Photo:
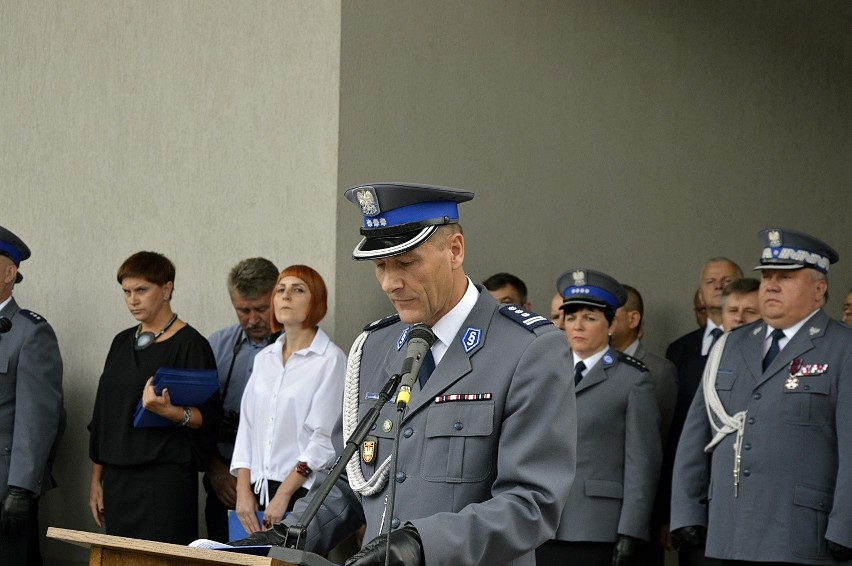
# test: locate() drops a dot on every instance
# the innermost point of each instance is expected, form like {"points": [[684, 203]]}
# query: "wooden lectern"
{"points": [[106, 550]]}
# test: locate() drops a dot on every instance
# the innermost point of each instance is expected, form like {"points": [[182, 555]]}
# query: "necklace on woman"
{"points": [[145, 339]]}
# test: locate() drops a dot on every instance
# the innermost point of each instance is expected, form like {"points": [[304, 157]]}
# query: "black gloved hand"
{"points": [[405, 549], [261, 538], [838, 551], [627, 551], [17, 511], [693, 536]]}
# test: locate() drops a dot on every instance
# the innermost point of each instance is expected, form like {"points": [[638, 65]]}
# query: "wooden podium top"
{"points": [[152, 552]]}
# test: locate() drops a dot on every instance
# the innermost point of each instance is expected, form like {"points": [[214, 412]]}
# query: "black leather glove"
{"points": [[17, 511], [405, 549], [838, 551], [693, 536], [628, 551], [261, 538]]}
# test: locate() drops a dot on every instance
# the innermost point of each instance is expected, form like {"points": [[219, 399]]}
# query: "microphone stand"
{"points": [[293, 548], [394, 456]]}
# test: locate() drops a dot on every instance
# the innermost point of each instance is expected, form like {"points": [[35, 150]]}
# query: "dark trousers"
{"points": [[23, 549], [215, 514], [695, 557], [563, 553], [747, 563]]}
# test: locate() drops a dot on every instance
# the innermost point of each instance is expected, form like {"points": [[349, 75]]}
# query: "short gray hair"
{"points": [[252, 278]]}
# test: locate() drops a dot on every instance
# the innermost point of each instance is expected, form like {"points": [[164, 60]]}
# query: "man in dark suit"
{"points": [[767, 477], [689, 353], [31, 415]]}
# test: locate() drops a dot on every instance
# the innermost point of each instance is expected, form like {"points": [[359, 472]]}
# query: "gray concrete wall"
{"points": [[638, 138], [206, 130]]}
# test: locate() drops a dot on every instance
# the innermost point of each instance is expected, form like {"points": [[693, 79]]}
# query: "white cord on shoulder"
{"points": [[728, 424], [351, 400]]}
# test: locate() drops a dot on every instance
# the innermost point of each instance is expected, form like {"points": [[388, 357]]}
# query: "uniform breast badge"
{"points": [[799, 370], [368, 450], [793, 379]]}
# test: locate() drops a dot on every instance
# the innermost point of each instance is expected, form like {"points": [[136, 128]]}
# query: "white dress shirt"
{"points": [[288, 411], [448, 327]]}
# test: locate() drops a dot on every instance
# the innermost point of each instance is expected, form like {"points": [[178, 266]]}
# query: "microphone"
{"points": [[420, 340], [6, 325]]}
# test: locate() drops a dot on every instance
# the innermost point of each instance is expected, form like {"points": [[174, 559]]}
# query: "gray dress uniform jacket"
{"points": [[663, 375], [31, 415], [483, 481], [796, 462], [618, 454]]}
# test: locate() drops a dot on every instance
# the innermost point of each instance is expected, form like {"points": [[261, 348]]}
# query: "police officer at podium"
{"points": [[487, 444]]}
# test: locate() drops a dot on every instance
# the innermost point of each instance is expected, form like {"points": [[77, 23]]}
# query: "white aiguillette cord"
{"points": [[716, 411]]}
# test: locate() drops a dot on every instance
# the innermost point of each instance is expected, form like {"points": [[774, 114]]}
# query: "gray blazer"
{"points": [[663, 374], [31, 415], [796, 462], [618, 454], [483, 481]]}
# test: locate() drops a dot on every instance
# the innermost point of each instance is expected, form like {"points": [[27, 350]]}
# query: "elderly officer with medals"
{"points": [[764, 464], [607, 518], [31, 413], [488, 440]]}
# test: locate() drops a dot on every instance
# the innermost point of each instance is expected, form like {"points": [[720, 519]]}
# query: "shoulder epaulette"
{"points": [[631, 361], [33, 317], [382, 322], [528, 320]]}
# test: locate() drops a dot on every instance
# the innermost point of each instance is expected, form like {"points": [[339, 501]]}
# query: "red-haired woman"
{"points": [[290, 403]]}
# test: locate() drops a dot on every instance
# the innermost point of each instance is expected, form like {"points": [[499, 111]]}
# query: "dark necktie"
{"points": [[774, 348], [578, 372], [427, 368], [715, 333]]}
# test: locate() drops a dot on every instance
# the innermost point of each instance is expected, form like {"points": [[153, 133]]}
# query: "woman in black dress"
{"points": [[144, 481]]}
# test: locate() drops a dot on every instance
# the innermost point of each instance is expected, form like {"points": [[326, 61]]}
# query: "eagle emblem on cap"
{"points": [[774, 238], [367, 200], [579, 278]]}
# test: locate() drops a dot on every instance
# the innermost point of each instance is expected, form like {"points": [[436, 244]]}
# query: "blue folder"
{"points": [[235, 528], [187, 387]]}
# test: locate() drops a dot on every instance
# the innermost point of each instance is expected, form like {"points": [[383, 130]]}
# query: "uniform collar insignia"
{"points": [[813, 331], [400, 342]]}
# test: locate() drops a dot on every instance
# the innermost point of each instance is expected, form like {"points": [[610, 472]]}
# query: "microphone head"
{"points": [[6, 325], [423, 332]]}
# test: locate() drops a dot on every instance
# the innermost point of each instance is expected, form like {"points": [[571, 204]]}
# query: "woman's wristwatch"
{"points": [[187, 416]]}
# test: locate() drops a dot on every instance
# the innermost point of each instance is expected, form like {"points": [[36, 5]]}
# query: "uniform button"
{"points": [[458, 426], [747, 446], [395, 523], [408, 432], [807, 387], [746, 473], [373, 427], [821, 504], [400, 477], [751, 420], [757, 396]]}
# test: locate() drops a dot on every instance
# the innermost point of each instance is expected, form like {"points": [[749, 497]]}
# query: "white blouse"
{"points": [[287, 412]]}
